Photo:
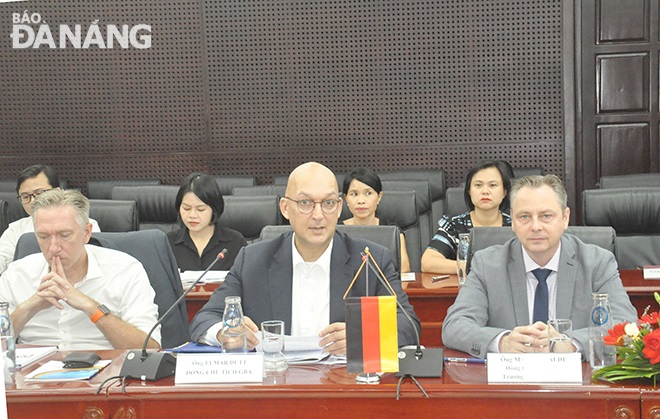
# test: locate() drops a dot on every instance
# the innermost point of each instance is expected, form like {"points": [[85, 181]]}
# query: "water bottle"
{"points": [[600, 355], [8, 344], [232, 335]]}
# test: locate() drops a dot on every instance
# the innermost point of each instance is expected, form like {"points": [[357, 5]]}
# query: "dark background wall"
{"points": [[257, 87]]}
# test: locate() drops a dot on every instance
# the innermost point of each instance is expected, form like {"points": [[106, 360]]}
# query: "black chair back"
{"points": [[102, 189], [156, 205], [250, 214], [114, 216]]}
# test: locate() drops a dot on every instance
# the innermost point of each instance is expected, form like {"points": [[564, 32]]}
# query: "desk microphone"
{"points": [[156, 365]]}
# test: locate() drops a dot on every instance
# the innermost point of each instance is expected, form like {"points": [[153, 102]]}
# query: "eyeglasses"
{"points": [[26, 198], [306, 206]]}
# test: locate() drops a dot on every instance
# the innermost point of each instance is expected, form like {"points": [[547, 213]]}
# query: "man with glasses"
{"points": [[301, 277], [31, 183]]}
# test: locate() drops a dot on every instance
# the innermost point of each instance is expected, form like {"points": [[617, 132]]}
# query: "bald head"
{"points": [[307, 171], [312, 183]]}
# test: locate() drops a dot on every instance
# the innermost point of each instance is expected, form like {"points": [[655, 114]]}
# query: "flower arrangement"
{"points": [[637, 348]]}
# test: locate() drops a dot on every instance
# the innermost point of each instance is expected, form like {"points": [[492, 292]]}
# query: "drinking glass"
{"points": [[462, 257], [561, 335], [272, 332]]}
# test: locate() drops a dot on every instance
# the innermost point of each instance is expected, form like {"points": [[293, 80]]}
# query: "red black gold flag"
{"points": [[371, 334]]}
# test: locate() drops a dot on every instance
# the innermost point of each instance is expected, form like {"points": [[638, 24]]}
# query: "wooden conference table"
{"points": [[328, 391], [432, 299]]}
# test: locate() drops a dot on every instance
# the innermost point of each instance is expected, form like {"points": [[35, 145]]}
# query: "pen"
{"points": [[466, 360], [438, 278]]}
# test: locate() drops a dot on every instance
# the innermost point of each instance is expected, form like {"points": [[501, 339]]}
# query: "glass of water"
{"points": [[560, 332], [462, 257], [273, 346]]}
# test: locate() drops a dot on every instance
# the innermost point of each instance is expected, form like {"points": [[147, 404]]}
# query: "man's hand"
{"points": [[250, 330], [55, 287], [334, 339], [532, 338]]}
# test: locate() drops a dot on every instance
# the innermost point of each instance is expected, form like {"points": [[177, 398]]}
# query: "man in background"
{"points": [[32, 182]]}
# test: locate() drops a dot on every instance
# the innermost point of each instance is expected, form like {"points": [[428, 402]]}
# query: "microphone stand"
{"points": [[153, 366]]}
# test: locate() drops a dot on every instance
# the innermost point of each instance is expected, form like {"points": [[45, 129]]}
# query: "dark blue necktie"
{"points": [[541, 296]]}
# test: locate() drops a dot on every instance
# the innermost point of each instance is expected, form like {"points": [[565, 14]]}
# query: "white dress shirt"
{"points": [[14, 231], [113, 278]]}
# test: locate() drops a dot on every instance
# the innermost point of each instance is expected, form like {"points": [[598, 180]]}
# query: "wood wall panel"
{"points": [[623, 83], [623, 21], [633, 138]]}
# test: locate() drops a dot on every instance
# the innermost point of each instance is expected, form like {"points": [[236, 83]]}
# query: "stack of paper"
{"points": [[26, 356], [212, 277]]}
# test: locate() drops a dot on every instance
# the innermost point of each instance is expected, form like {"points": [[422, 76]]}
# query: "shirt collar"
{"points": [[323, 262], [530, 265]]}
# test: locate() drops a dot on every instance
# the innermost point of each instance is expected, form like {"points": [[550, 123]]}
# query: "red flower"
{"points": [[650, 319], [651, 349], [615, 335]]}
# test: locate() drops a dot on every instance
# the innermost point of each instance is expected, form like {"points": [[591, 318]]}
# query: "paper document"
{"points": [[408, 276], [212, 277], [26, 356], [304, 350]]}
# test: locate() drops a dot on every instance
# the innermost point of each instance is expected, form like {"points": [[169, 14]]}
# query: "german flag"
{"points": [[371, 335]]}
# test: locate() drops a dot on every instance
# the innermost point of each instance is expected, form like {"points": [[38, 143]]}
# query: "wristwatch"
{"points": [[100, 312]]}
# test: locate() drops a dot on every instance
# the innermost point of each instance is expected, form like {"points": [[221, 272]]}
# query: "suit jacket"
{"points": [[262, 276], [494, 297]]}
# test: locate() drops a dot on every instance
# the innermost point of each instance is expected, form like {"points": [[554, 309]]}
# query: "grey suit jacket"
{"points": [[494, 297], [262, 276]]}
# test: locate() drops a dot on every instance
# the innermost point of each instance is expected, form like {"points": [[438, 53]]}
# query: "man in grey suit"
{"points": [[504, 305], [301, 277]]}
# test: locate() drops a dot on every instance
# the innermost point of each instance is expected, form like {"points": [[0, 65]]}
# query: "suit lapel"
{"points": [[340, 277], [280, 283], [518, 277], [566, 278]]}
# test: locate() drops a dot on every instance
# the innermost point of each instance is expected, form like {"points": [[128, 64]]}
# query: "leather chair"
{"points": [[156, 205], [3, 216], [102, 189], [634, 213], [227, 183], [423, 197], [275, 190], [114, 216], [8, 185], [153, 250], [400, 207], [386, 236], [483, 237], [250, 214], [639, 180], [437, 185], [15, 210], [519, 172], [454, 202]]}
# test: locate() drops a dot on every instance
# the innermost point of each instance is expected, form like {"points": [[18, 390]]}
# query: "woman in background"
{"points": [[486, 195], [201, 238], [362, 193]]}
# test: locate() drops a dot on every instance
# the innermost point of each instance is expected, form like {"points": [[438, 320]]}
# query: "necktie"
{"points": [[541, 296]]}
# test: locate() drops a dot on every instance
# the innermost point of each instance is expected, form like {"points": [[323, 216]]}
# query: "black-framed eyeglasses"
{"points": [[306, 206], [26, 198]]}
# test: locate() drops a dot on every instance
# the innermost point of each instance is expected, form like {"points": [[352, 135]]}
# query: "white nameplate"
{"points": [[535, 368], [652, 272], [219, 368]]}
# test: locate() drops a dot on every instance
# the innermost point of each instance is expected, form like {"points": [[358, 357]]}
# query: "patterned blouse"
{"points": [[445, 239]]}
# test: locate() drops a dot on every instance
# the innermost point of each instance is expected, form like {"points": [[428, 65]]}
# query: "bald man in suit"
{"points": [[495, 309], [301, 277]]}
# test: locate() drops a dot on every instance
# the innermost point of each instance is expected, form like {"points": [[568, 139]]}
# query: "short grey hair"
{"points": [[536, 182], [61, 198]]}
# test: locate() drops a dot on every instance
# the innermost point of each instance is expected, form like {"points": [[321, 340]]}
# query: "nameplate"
{"points": [[219, 368], [651, 272], [535, 368]]}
